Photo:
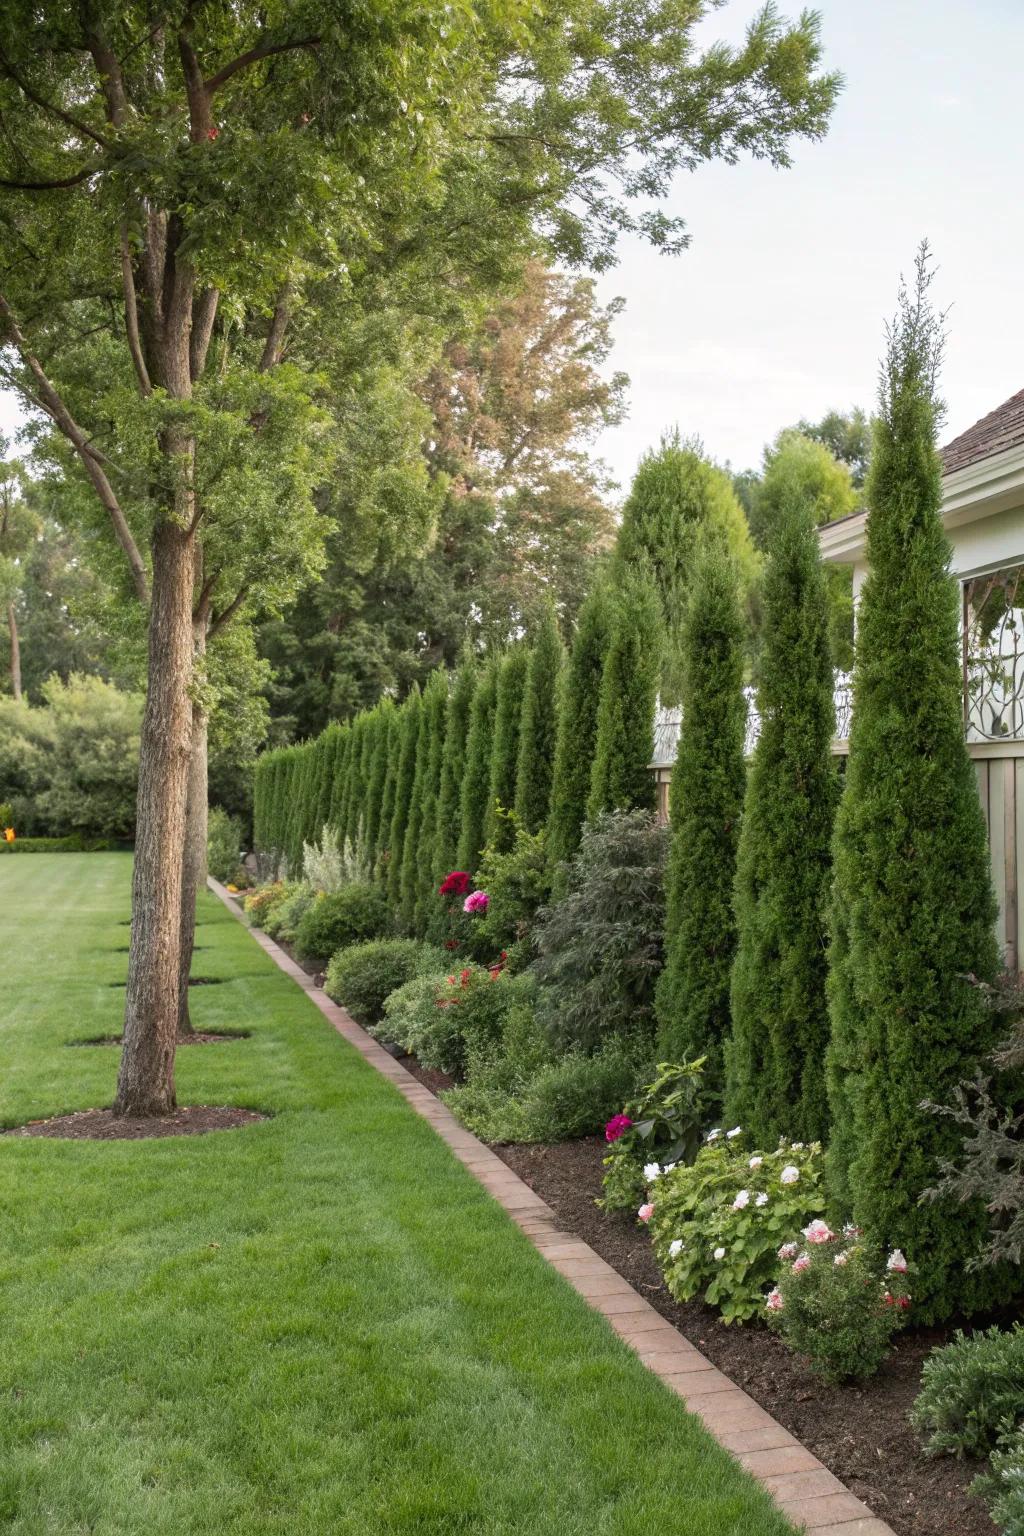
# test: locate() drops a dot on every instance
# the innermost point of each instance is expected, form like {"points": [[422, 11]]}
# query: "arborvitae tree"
{"points": [[538, 729], [340, 786], [476, 781], [912, 894], [405, 782], [325, 785], [381, 850], [435, 707], [579, 700], [706, 804], [380, 730], [678, 496], [428, 746], [499, 830], [775, 1059], [621, 778], [453, 765]]}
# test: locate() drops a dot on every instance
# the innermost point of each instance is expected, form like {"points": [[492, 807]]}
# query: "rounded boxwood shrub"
{"points": [[355, 913], [972, 1391], [362, 976]]}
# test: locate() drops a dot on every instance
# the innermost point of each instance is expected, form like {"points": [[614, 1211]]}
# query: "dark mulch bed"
{"points": [[198, 1037], [860, 1433], [104, 1125]]}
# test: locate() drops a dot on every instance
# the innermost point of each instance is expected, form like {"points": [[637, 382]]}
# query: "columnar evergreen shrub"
{"points": [[405, 780], [706, 803], [380, 853], [339, 786], [351, 826], [580, 697], [329, 749], [776, 1053], [426, 870], [912, 896], [476, 781], [621, 778], [499, 831], [381, 729], [539, 726], [453, 764]]}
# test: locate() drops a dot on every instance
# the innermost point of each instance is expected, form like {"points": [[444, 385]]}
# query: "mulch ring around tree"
{"points": [[861, 1433], [104, 1125], [197, 1037]]}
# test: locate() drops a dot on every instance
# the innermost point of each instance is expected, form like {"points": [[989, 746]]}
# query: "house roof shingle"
{"points": [[1001, 429]]}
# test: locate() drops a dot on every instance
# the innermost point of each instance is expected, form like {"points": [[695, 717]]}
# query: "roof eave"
{"points": [[989, 486]]}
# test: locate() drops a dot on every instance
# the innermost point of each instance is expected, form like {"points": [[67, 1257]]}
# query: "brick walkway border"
{"points": [[806, 1491]]}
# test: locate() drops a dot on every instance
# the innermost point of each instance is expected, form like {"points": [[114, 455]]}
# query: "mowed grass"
{"points": [[318, 1324]]}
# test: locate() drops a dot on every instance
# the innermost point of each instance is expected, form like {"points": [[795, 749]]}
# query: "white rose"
{"points": [[719, 1253], [789, 1175], [652, 1171], [675, 1247], [742, 1200]]}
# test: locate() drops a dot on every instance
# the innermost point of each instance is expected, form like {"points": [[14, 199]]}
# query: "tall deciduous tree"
{"points": [[677, 497], [913, 905], [621, 778], [706, 803], [780, 1028], [169, 193]]}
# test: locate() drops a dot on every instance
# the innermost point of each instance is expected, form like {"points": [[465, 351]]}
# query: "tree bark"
{"points": [[12, 625], [145, 1084], [193, 860]]}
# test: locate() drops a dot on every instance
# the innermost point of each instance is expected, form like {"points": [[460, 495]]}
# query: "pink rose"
{"points": [[773, 1301], [788, 1251], [646, 1211], [802, 1262], [476, 901], [896, 1263], [819, 1232]]}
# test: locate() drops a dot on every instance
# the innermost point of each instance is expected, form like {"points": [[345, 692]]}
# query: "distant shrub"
{"points": [[558, 1101], [362, 976], [517, 882], [407, 1009], [349, 916], [223, 845], [282, 921], [323, 865], [259, 903], [72, 844], [972, 1391]]}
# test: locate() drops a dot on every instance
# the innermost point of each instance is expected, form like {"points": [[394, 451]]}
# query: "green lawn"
{"points": [[320, 1324]]}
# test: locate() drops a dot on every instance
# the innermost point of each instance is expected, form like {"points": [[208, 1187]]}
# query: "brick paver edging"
{"points": [[804, 1489]]}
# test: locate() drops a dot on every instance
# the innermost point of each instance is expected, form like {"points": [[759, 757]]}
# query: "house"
{"points": [[983, 514]]}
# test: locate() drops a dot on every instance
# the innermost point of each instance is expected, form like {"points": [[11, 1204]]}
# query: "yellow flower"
{"points": [[8, 834]]}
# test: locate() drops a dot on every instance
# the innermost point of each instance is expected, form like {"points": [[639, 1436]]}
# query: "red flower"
{"points": [[464, 976], [455, 884], [617, 1126], [451, 943], [212, 133]]}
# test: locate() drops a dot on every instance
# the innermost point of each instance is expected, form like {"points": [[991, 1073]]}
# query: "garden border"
{"points": [[805, 1490]]}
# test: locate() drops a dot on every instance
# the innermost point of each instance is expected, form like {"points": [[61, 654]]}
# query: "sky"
{"points": [[777, 310]]}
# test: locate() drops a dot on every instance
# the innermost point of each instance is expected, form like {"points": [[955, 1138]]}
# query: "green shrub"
{"points": [[660, 1125], [258, 904], [362, 976], [972, 1391], [408, 1009], [1003, 1485], [719, 1223], [467, 1019], [223, 844], [349, 916], [283, 919], [517, 883], [839, 1303], [600, 948], [555, 1101]]}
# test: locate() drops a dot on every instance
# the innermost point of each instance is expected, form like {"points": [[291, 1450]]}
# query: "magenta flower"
{"points": [[476, 901], [617, 1126]]}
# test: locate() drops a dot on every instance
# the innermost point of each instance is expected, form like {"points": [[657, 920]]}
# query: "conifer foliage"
{"points": [[453, 764], [706, 803], [913, 910], [621, 779], [539, 727], [499, 830], [476, 781], [776, 1056], [577, 725]]}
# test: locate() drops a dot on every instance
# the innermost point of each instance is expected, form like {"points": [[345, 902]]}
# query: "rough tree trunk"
{"points": [[12, 625], [145, 1084], [193, 861]]}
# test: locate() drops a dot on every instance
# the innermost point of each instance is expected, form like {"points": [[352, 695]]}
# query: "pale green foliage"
{"points": [[323, 865], [841, 1307], [972, 1389]]}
